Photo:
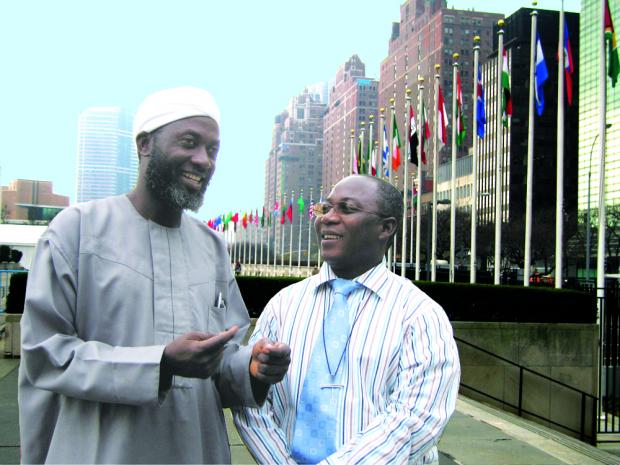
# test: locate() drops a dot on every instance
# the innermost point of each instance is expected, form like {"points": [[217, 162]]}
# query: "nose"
{"points": [[330, 217], [202, 159]]}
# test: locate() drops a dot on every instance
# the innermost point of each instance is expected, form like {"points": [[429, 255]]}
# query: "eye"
{"points": [[188, 142], [347, 208]]}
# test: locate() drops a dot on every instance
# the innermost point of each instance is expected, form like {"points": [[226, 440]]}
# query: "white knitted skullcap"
{"points": [[168, 105]]}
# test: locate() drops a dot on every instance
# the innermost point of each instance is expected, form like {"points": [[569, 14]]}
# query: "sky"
{"points": [[61, 57]]}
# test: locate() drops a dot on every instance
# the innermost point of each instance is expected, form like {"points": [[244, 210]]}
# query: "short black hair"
{"points": [[389, 201]]}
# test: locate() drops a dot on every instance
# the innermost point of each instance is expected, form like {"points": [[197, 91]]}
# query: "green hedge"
{"points": [[466, 302]]}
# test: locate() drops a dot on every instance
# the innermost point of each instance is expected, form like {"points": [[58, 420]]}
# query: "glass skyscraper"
{"points": [[590, 29], [107, 163]]}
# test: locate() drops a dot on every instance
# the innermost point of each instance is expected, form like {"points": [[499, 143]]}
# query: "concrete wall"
{"points": [[565, 352]]}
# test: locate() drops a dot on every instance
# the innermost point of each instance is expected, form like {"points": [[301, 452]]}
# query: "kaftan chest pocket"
{"points": [[216, 320]]}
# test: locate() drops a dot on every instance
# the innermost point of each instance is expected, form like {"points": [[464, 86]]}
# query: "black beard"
{"points": [[162, 179]]}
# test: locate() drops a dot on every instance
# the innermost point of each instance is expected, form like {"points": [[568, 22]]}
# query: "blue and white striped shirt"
{"points": [[402, 371]]}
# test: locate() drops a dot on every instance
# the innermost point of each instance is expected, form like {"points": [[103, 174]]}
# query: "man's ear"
{"points": [[388, 228], [144, 144]]}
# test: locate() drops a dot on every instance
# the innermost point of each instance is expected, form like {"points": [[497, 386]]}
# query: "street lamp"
{"points": [[588, 226]]}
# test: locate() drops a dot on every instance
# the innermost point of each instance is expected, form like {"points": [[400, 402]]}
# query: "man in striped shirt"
{"points": [[400, 367]]}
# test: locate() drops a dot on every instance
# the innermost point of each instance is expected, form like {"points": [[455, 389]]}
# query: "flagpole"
{"points": [[256, 243], [318, 253], [268, 234], [370, 146], [290, 241], [559, 197], [455, 70], [435, 168], [602, 95], [359, 157], [474, 183], [380, 169], [352, 151], [498, 155], [389, 161], [282, 223], [393, 249], [411, 225], [262, 239], [403, 241], [421, 141], [310, 232], [301, 217], [527, 264]]}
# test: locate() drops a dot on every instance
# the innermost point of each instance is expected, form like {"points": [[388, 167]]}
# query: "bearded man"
{"points": [[133, 320]]}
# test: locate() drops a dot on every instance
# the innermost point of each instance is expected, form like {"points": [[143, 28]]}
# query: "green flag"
{"points": [[302, 205], [610, 36]]}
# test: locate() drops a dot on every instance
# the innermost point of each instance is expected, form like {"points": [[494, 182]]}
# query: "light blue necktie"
{"points": [[316, 422]]}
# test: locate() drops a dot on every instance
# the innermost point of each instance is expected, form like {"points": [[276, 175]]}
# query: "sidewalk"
{"points": [[476, 435]]}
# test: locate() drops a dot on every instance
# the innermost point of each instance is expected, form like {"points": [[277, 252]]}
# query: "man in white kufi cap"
{"points": [[133, 321]]}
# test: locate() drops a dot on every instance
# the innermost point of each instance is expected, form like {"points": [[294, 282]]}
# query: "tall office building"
{"points": [[295, 163], [352, 100], [107, 163], [429, 34], [589, 36]]}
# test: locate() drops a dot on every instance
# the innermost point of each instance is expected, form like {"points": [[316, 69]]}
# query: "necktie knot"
{"points": [[344, 286]]}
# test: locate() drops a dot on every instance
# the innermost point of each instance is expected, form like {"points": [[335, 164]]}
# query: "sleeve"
{"points": [[261, 428], [56, 359], [421, 402], [233, 378]]}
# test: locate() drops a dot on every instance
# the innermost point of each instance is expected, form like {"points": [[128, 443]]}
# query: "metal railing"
{"points": [[520, 410]]}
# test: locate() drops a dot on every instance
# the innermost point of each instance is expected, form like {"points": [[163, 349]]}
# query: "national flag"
{"points": [[311, 209], [460, 124], [276, 208], [283, 215], [426, 132], [442, 135], [610, 36], [251, 219], [289, 211], [235, 218], [506, 97], [414, 199], [210, 224], [373, 161], [301, 204], [262, 218], [256, 217], [244, 221], [540, 76], [386, 151], [481, 113], [568, 66], [413, 138], [395, 144], [366, 165]]}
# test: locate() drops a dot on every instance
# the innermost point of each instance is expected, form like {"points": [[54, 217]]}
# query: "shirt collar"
{"points": [[373, 279]]}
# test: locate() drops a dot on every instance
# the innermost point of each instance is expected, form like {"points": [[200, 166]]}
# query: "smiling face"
{"points": [[352, 239], [181, 160]]}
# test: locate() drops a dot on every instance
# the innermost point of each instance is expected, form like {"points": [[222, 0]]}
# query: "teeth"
{"points": [[330, 236], [193, 177]]}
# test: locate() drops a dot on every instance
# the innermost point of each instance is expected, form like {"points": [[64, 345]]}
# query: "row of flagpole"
{"points": [[384, 164]]}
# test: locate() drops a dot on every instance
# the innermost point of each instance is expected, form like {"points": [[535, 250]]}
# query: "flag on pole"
{"points": [[256, 217], [395, 144], [244, 221], [610, 36], [289, 211], [442, 135], [283, 215], [426, 132], [540, 76], [506, 97], [301, 204], [373, 160], [262, 218], [413, 138], [460, 124], [386, 151], [568, 66], [481, 113], [367, 162]]}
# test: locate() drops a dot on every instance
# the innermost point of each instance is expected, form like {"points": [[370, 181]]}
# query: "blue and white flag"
{"points": [[541, 75], [386, 152], [481, 112]]}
